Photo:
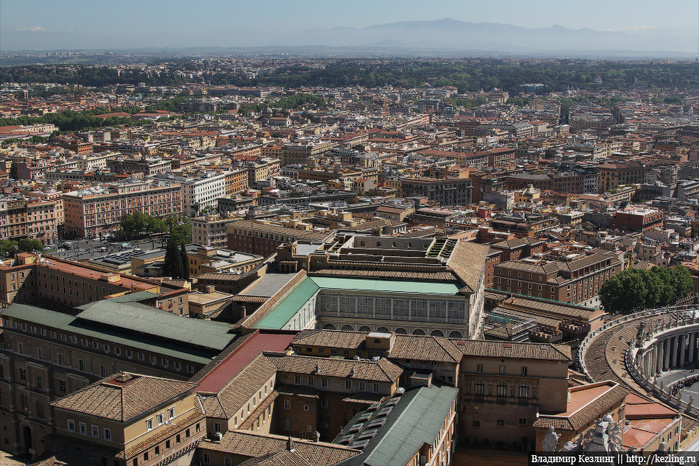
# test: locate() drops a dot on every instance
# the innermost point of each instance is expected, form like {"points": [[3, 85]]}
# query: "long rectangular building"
{"points": [[89, 213]]}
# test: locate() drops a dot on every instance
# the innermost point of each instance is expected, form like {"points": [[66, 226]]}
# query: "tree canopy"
{"points": [[636, 289]]}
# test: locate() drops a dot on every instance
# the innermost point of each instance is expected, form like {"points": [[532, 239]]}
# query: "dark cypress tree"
{"points": [[185, 262], [174, 266]]}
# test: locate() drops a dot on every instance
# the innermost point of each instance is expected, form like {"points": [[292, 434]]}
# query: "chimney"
{"points": [[290, 444], [209, 288]]}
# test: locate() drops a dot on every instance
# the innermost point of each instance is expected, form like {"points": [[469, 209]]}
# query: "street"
{"points": [[91, 249]]}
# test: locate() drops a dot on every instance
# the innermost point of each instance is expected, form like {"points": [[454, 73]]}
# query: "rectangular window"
{"points": [[500, 423], [95, 431], [323, 382], [39, 383], [479, 368], [149, 424], [107, 433], [524, 370], [83, 428], [502, 370], [287, 404], [62, 386], [348, 385], [476, 424], [71, 425], [522, 421], [22, 374], [171, 413]]}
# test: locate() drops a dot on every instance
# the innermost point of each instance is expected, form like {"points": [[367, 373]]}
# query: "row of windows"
{"points": [[161, 418], [106, 347], [499, 423], [82, 429], [502, 369]]}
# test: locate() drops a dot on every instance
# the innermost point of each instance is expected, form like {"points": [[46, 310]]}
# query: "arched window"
{"points": [[455, 334], [502, 389], [418, 331], [437, 333], [364, 328], [401, 331], [329, 327], [383, 330], [347, 328], [523, 390]]}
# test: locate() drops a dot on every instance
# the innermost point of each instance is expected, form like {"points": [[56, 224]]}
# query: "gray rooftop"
{"points": [[414, 420], [268, 285], [139, 341], [147, 320]]}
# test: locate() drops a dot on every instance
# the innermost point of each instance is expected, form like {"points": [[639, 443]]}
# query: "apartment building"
{"points": [[261, 238], [300, 154], [237, 181], [91, 212], [146, 166], [127, 419], [576, 279], [504, 386], [68, 284], [210, 230], [612, 175], [448, 191], [337, 388], [22, 217]]}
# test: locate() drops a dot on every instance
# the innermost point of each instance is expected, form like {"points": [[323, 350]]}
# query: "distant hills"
{"points": [[407, 37]]}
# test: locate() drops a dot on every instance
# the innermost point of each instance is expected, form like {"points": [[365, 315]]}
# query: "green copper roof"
{"points": [[117, 336], [414, 421], [145, 319], [387, 286], [286, 309]]}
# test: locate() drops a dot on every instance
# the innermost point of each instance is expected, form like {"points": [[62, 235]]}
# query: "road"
{"points": [[91, 249]]}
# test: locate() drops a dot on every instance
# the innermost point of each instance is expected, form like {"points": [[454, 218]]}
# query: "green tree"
{"points": [[7, 247], [174, 266], [185, 262], [181, 234], [680, 280], [29, 245], [623, 293]]}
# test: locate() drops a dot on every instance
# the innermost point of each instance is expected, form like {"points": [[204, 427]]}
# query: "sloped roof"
{"points": [[378, 371], [123, 397]]}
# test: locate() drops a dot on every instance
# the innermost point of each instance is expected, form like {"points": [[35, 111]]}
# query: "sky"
{"points": [[50, 24]]}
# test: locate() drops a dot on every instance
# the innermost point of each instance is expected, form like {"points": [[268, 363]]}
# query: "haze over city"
{"points": [[128, 24]]}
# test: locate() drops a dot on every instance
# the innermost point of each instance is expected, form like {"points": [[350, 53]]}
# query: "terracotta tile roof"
{"points": [[425, 348], [240, 389], [428, 276], [499, 349], [252, 445], [585, 415], [123, 396], [379, 371], [468, 262], [279, 458], [330, 339], [420, 347]]}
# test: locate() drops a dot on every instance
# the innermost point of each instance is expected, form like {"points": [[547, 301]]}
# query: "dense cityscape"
{"points": [[274, 259]]}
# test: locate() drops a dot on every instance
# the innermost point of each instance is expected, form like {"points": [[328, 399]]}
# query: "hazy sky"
{"points": [[120, 23]]}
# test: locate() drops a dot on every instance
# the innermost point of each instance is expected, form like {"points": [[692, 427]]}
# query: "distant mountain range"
{"points": [[446, 35]]}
